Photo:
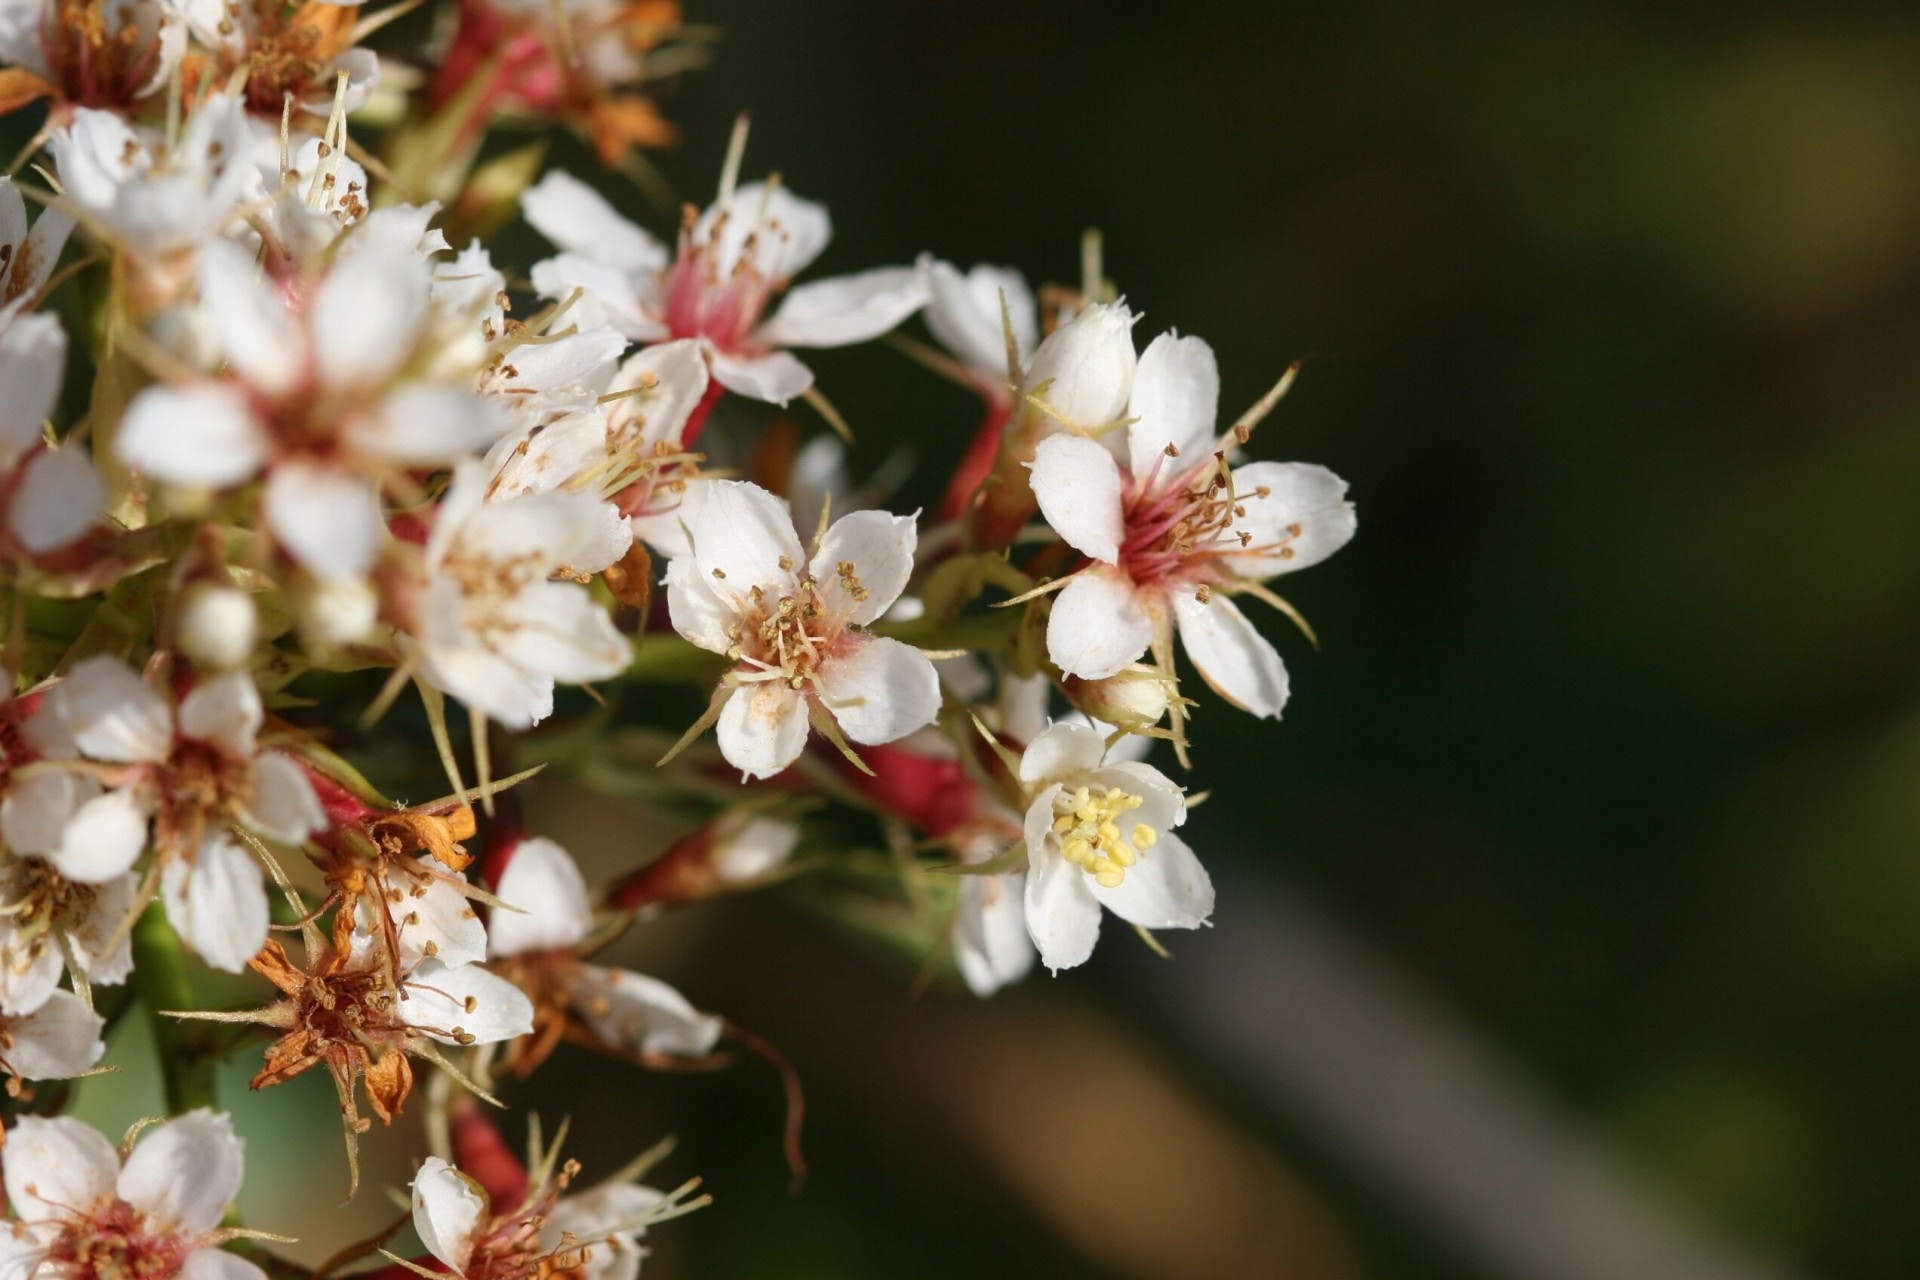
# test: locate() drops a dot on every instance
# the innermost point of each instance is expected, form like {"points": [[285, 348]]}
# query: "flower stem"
{"points": [[160, 978]]}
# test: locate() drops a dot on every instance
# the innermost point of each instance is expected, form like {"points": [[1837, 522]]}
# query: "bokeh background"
{"points": [[1611, 761], [1569, 924]]}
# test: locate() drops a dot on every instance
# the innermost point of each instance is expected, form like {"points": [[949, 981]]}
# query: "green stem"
{"points": [[187, 1055]]}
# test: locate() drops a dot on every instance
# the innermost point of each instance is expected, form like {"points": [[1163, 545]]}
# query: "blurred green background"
{"points": [[1610, 315]]}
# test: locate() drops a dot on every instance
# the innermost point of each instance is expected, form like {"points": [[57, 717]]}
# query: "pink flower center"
{"points": [[724, 308], [1184, 529], [114, 1242]]}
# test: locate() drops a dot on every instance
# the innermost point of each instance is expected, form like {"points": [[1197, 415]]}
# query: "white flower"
{"points": [[1172, 530], [592, 1235], [82, 1212], [102, 56], [1099, 834], [494, 628], [793, 625], [318, 399], [553, 915], [50, 925], [57, 1041], [195, 770], [152, 198], [629, 450], [730, 264], [964, 313]]}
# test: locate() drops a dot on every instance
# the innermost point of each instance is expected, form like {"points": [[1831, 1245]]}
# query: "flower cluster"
{"points": [[344, 510]]}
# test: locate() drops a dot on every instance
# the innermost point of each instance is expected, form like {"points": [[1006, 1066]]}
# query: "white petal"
{"points": [[1166, 889], [567, 529], [741, 534], [434, 918], [37, 807], [643, 1014], [591, 1216], [563, 633], [1063, 916], [104, 837], [1233, 658], [34, 264], [112, 713], [1176, 395], [788, 233], [1098, 625], [184, 1173], [607, 295], [225, 711], [448, 1210], [367, 315], [1077, 483], [217, 903], [1088, 363], [880, 690], [250, 322], [554, 912], [880, 547], [763, 728], [30, 971], [56, 1167], [451, 1003], [57, 1041], [327, 520], [845, 309], [217, 1264], [33, 362], [1061, 751], [695, 611], [577, 218], [203, 435], [1299, 496], [775, 378], [421, 425], [581, 362], [88, 937], [964, 313], [283, 805], [675, 375], [59, 498], [991, 945]]}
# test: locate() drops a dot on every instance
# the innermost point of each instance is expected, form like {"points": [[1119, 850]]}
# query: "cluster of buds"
{"points": [[346, 513]]}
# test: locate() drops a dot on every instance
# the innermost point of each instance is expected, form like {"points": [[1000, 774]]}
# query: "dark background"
{"points": [[1609, 315]]}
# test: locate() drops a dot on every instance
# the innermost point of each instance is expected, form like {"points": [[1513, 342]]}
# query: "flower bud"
{"points": [[727, 853], [218, 625], [338, 611], [1088, 363], [1133, 698]]}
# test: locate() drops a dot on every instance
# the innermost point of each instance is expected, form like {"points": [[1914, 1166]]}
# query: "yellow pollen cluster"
{"points": [[1088, 828]]}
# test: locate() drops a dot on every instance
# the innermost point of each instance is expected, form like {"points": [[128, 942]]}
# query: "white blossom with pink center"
{"points": [[192, 772], [1171, 530], [731, 263], [320, 399], [82, 1213], [497, 621], [794, 625]]}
